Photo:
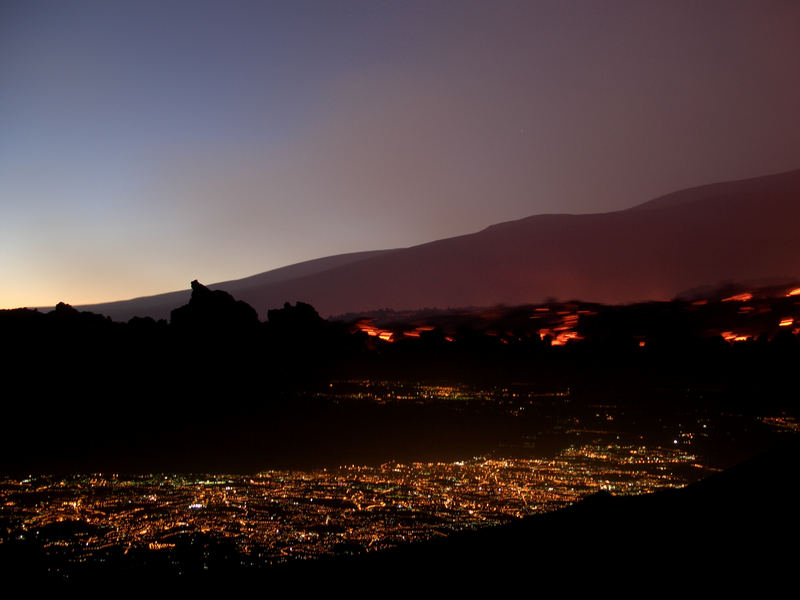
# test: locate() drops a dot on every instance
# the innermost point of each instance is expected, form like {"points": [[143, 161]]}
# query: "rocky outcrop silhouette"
{"points": [[214, 311], [301, 318]]}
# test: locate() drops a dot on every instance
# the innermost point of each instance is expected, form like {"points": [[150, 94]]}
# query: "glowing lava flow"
{"points": [[730, 336], [367, 327], [417, 331], [563, 332], [746, 296]]}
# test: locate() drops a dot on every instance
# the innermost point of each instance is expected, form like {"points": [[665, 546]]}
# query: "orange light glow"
{"points": [[794, 292], [642, 344], [730, 336], [786, 322], [699, 302], [160, 545], [739, 297], [415, 332], [559, 338], [564, 337], [564, 331], [367, 327]]}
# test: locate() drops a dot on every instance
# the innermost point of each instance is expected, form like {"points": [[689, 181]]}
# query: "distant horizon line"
{"points": [[235, 279]]}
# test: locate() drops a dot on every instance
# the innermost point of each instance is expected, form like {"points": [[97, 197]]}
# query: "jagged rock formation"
{"points": [[213, 311]]}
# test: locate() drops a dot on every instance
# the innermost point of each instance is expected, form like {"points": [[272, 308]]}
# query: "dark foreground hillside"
{"points": [[218, 390]]}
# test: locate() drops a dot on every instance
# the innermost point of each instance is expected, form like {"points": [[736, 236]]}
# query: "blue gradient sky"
{"points": [[145, 144]]}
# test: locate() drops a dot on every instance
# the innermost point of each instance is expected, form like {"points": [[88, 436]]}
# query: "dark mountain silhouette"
{"points": [[734, 231]]}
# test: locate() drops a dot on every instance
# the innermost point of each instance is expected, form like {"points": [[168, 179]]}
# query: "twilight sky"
{"points": [[144, 144]]}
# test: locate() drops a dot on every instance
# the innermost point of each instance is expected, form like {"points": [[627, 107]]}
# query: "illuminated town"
{"points": [[386, 391], [280, 515], [277, 515]]}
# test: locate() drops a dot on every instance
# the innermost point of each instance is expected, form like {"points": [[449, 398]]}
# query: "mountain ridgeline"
{"points": [[734, 231]]}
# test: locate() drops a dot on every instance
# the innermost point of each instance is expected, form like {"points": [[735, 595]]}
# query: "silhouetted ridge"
{"points": [[159, 306], [727, 232], [300, 318], [213, 310], [62, 308], [197, 394]]}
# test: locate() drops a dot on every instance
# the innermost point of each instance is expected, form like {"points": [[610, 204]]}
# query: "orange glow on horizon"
{"points": [[794, 292], [786, 322]]}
